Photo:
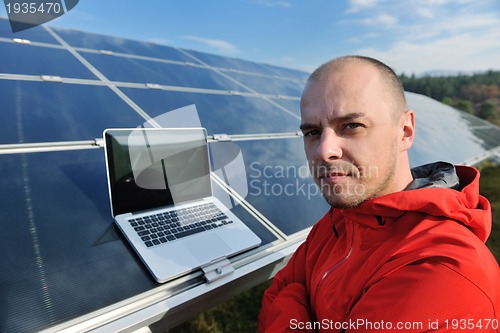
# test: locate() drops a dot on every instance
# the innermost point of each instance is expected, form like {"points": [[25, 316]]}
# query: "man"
{"points": [[400, 249]]}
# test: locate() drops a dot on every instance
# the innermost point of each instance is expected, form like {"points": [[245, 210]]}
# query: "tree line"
{"points": [[478, 94]]}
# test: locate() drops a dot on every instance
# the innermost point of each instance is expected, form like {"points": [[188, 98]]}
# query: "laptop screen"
{"points": [[151, 168]]}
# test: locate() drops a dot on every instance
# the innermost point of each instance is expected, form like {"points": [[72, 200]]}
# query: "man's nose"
{"points": [[329, 147]]}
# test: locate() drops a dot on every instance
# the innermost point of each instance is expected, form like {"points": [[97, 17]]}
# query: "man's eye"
{"points": [[352, 126], [311, 133]]}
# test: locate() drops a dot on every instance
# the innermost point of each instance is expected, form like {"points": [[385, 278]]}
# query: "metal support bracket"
{"points": [[51, 78], [217, 269], [222, 138]]}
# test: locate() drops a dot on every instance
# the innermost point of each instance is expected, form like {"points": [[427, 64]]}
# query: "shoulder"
{"points": [[427, 291], [441, 255]]}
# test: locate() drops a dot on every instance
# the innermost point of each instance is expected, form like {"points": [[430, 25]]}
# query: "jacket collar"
{"points": [[444, 191], [434, 175]]}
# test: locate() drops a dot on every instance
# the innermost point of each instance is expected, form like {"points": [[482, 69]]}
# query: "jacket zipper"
{"points": [[338, 263]]}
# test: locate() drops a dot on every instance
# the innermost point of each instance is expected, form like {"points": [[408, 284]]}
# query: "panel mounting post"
{"points": [[217, 269]]}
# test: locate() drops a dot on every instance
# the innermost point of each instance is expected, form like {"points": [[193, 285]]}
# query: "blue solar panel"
{"points": [[36, 60], [60, 243], [268, 84], [289, 73], [445, 134], [291, 105], [144, 71], [220, 114], [47, 111], [36, 34], [79, 39], [279, 184], [229, 63]]}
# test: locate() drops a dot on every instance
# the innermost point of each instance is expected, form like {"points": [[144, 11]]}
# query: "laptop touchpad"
{"points": [[207, 247]]}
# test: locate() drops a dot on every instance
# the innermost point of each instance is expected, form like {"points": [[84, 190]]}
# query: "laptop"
{"points": [[161, 199]]}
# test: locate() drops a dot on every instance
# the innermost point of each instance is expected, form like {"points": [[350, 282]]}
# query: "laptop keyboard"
{"points": [[160, 228]]}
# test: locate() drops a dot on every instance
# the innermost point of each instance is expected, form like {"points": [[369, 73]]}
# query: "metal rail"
{"points": [[39, 147]]}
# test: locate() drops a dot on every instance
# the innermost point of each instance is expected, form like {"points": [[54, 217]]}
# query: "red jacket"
{"points": [[412, 261]]}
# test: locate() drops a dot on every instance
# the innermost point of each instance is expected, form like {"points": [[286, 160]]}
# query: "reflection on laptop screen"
{"points": [[153, 168]]}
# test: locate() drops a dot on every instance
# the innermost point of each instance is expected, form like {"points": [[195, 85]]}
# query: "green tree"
{"points": [[465, 106], [488, 111], [448, 101]]}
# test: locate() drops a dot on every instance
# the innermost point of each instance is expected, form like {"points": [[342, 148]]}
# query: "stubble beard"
{"points": [[352, 195]]}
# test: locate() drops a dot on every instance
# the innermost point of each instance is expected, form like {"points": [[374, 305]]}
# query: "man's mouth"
{"points": [[334, 177]]}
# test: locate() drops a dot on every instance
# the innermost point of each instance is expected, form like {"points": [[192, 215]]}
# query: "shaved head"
{"points": [[394, 88]]}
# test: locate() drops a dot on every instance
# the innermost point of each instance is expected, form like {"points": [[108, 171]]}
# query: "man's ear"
{"points": [[408, 130]]}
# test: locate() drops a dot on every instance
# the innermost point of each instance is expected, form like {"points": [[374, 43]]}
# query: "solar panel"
{"points": [[35, 60], [48, 111], [269, 84], [63, 86], [36, 34], [99, 43], [443, 133], [227, 63], [220, 113], [277, 175], [124, 69]]}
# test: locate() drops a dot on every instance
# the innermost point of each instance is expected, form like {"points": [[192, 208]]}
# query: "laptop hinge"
{"points": [[217, 269]]}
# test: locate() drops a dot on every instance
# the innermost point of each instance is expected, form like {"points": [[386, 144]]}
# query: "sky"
{"points": [[411, 36]]}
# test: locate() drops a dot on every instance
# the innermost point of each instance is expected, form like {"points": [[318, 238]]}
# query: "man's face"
{"points": [[351, 136]]}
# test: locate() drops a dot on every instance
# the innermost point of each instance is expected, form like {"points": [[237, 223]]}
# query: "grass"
{"points": [[490, 188], [239, 314]]}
